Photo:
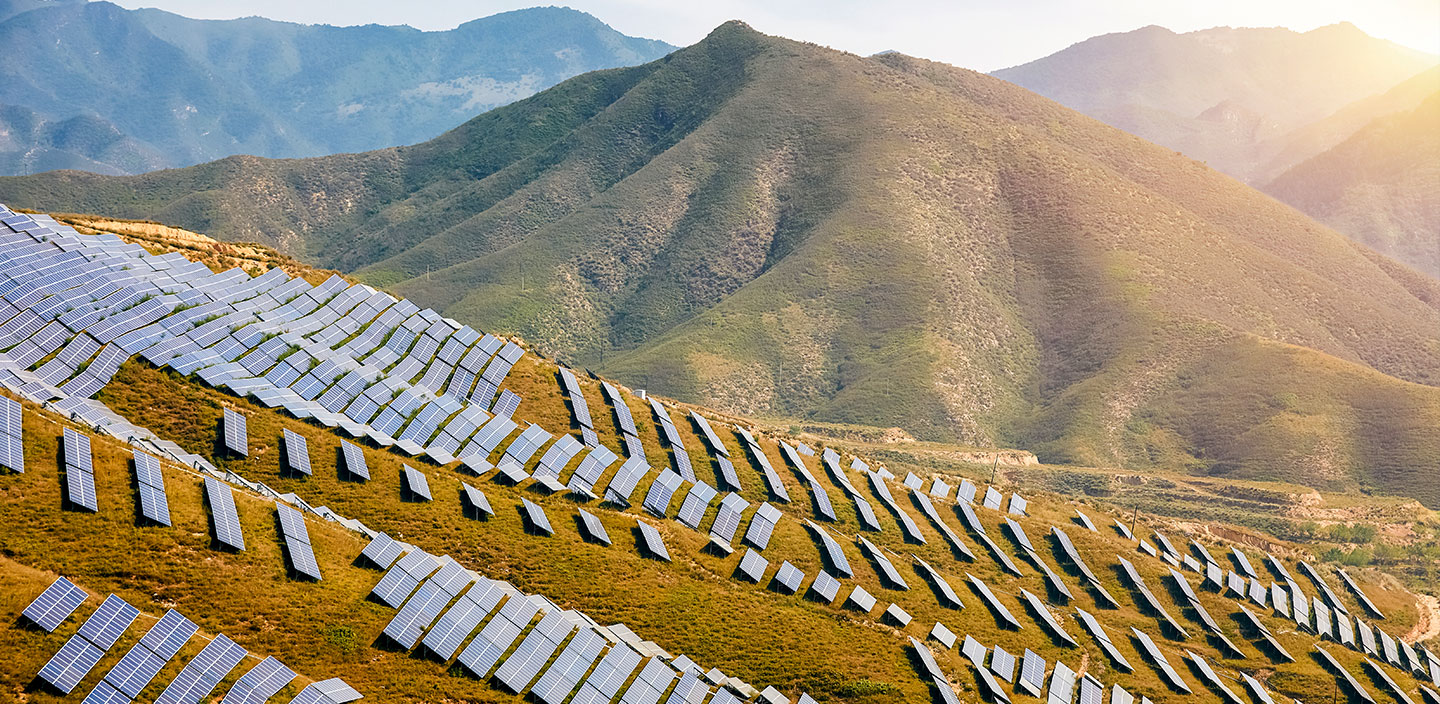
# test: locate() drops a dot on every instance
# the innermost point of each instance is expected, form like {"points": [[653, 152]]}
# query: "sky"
{"points": [[978, 35]]}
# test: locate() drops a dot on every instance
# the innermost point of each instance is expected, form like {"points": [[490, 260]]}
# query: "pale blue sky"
{"points": [[978, 35]]}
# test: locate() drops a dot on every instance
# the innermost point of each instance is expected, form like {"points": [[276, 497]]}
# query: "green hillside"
{"points": [[1381, 186], [777, 229], [110, 90]]}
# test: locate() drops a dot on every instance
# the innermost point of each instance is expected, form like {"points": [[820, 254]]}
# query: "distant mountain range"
{"points": [[93, 86], [1255, 103], [779, 229]]}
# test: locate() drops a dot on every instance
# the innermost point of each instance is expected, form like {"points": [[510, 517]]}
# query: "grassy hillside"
{"points": [[1381, 186], [694, 605], [1240, 99], [111, 90], [773, 228]]}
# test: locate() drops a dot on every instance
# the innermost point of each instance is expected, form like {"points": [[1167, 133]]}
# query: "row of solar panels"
{"points": [[130, 676], [230, 328], [526, 644]]}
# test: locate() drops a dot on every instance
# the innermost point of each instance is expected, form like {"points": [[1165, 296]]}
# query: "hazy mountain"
{"points": [[784, 230], [1380, 186], [1229, 97], [150, 89]]}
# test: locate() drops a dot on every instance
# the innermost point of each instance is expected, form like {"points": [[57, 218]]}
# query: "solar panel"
{"points": [[653, 543], [753, 566], [494, 639], [605, 681], [1007, 619], [1032, 673], [594, 530], [168, 635], [692, 509], [235, 437], [652, 681], [476, 500], [204, 673], [834, 553], [223, 517], [74, 660], [947, 596], [789, 577], [1161, 663], [108, 623], [1213, 679], [1103, 638], [260, 683], [521, 668], [888, 573], [535, 517], [662, 490], [825, 586], [354, 460], [1047, 619], [331, 691], [569, 667], [1002, 663], [297, 452], [456, 624], [382, 551], [55, 604], [762, 526], [415, 484], [12, 446]]}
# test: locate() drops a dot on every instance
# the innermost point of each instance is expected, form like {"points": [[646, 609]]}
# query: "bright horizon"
{"points": [[980, 37]]}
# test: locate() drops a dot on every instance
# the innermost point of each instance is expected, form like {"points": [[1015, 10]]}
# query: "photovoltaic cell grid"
{"points": [[55, 604], [415, 483], [297, 452], [654, 544], [354, 460], [260, 683], [594, 529], [235, 436], [146, 658], [697, 500], [535, 517], [79, 470], [606, 679], [225, 519], [762, 526], [204, 673], [536, 649], [153, 503], [84, 649], [297, 541], [382, 551], [573, 662], [12, 446]]}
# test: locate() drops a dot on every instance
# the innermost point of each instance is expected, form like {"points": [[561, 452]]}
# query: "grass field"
{"points": [[694, 606]]}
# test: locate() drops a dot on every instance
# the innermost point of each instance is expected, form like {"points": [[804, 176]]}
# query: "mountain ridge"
{"points": [[771, 228]]}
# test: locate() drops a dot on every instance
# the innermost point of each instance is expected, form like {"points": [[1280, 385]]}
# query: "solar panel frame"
{"points": [[535, 517], [204, 672], [109, 622], [260, 683], [75, 659], [593, 529], [1032, 673], [654, 544], [415, 483], [789, 576], [297, 452], [235, 437]]}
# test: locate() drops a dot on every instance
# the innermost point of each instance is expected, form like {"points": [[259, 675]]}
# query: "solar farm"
{"points": [[229, 487]]}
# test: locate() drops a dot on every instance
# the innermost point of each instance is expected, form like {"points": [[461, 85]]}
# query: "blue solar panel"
{"points": [[55, 604]]}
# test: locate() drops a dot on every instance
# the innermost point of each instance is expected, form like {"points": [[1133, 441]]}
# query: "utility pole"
{"points": [[1134, 516], [994, 467]]}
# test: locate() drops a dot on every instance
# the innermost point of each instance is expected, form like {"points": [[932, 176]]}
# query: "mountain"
{"points": [[774, 228], [152, 89], [1381, 186], [1231, 97]]}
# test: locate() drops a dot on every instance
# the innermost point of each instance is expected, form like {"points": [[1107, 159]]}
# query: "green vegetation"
{"points": [[110, 90], [779, 230]]}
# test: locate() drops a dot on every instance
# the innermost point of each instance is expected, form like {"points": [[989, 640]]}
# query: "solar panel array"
{"points": [[889, 575], [480, 656], [12, 445], [1148, 597], [83, 650], [789, 576], [55, 604], [1213, 679], [425, 605], [146, 658], [1047, 619], [154, 504], [402, 578], [204, 673], [946, 594], [1157, 658], [1093, 625], [762, 526], [1073, 555], [662, 490], [956, 543], [823, 505], [863, 510], [535, 518], [297, 541], [622, 485], [539, 645], [331, 691], [1006, 618], [652, 682], [608, 676], [626, 422], [462, 618], [1032, 673], [79, 471], [692, 509], [224, 518], [907, 524], [753, 566], [835, 555], [260, 683]]}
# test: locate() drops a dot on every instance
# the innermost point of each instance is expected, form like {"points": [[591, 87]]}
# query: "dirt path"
{"points": [[1428, 625]]}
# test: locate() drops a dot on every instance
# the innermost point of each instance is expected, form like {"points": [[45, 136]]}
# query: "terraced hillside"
{"points": [[927, 563], [775, 229]]}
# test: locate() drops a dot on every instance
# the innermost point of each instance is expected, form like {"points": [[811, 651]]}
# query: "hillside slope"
{"points": [[773, 228], [1230, 97], [1380, 186], [126, 91]]}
